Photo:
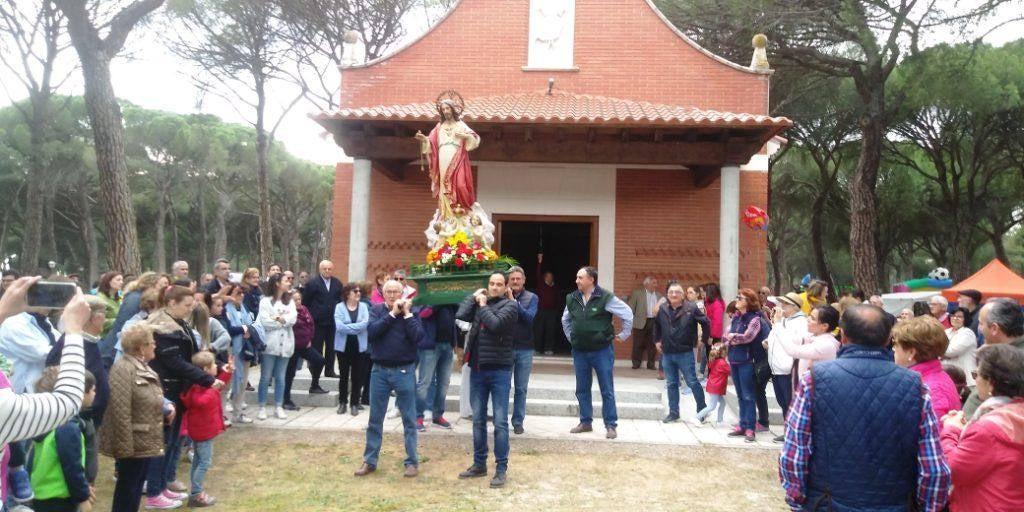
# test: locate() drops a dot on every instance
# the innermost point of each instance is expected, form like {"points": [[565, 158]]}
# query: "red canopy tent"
{"points": [[993, 280]]}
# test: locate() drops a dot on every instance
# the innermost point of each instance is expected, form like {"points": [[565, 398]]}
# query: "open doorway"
{"points": [[566, 242]]}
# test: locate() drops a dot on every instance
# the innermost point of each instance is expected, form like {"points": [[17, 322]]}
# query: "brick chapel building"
{"points": [[608, 138]]}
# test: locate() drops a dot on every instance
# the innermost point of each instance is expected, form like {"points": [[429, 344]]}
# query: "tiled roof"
{"points": [[561, 107]]}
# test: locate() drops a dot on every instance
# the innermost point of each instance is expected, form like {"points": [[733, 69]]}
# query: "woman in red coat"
{"points": [[987, 456]]}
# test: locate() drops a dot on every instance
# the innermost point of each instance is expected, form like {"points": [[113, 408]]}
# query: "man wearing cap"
{"points": [[971, 300], [788, 320]]}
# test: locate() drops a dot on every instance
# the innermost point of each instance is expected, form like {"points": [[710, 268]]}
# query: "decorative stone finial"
{"points": [[353, 50], [760, 58]]}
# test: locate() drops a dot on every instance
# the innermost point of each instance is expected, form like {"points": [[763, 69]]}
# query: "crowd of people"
{"points": [[915, 412]]}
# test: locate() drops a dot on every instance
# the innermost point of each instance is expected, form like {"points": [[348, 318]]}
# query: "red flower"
{"points": [[458, 262], [479, 256]]}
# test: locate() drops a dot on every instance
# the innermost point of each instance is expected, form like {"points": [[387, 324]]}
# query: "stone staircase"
{"points": [[551, 392]]}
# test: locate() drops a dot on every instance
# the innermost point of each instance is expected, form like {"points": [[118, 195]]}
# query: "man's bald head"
{"points": [[865, 324], [326, 269]]}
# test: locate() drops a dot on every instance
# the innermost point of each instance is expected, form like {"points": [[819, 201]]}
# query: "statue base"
{"points": [[449, 287]]}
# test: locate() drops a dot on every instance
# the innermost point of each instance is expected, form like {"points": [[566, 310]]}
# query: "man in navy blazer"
{"points": [[320, 295]]}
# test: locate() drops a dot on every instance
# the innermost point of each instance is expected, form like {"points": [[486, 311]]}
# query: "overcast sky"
{"points": [[154, 78]]}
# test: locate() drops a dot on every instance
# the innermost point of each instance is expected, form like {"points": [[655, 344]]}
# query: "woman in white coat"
{"points": [[277, 316], [963, 343]]}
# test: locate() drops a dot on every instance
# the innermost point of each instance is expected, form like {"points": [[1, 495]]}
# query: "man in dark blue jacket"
{"points": [[394, 334], [675, 336], [861, 433], [320, 296], [523, 338]]}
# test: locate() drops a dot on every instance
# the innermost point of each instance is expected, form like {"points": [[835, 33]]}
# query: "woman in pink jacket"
{"points": [[714, 307], [918, 344], [987, 457], [821, 345]]}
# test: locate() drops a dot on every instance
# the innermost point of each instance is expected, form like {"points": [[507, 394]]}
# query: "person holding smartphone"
{"points": [[394, 334]]}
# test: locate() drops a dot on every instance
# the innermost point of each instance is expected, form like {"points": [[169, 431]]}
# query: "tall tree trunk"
{"points": [[960, 258], [49, 248], [266, 241], [323, 242], [175, 247], [203, 233], [159, 252], [32, 232], [818, 243], [220, 230], [999, 248], [863, 207], [775, 251], [116, 196], [88, 228]]}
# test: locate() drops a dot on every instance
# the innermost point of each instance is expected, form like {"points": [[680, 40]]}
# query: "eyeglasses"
{"points": [[399, 279]]}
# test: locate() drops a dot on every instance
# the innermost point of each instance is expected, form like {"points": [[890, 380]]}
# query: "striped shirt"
{"points": [[29, 415]]}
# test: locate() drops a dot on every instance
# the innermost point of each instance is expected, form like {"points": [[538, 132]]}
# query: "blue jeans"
{"points": [[161, 469], [201, 461], [434, 372], [685, 363], [401, 379], [600, 362], [492, 384], [272, 367], [714, 401], [521, 374], [743, 381]]}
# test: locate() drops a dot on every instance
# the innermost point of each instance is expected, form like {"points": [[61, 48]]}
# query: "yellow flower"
{"points": [[459, 236], [431, 256]]}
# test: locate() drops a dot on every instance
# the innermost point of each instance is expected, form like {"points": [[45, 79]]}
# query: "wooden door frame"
{"points": [[593, 220]]}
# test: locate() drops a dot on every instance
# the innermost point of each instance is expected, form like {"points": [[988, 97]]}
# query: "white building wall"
{"points": [[555, 189]]}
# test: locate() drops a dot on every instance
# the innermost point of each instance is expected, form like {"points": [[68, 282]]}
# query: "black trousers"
{"points": [[546, 327], [316, 364], [55, 505], [350, 369], [762, 376], [644, 344], [131, 474], [323, 344]]}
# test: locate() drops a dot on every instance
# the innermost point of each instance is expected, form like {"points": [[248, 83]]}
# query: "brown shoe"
{"points": [[411, 471], [611, 434], [582, 427], [365, 469]]}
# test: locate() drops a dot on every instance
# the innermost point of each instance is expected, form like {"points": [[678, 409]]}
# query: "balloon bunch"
{"points": [[755, 218]]}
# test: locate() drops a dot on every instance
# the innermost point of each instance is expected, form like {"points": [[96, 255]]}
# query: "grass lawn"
{"points": [[300, 470]]}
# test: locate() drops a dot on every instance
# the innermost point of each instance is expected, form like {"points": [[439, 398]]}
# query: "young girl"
{"points": [[718, 375], [204, 420]]}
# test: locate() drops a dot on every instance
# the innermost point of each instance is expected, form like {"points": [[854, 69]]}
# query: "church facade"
{"points": [[607, 137]]}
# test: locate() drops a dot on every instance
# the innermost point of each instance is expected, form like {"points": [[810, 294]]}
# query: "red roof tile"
{"points": [[561, 107]]}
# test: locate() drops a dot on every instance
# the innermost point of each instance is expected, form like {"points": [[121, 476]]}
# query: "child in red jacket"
{"points": [[718, 376], [204, 418]]}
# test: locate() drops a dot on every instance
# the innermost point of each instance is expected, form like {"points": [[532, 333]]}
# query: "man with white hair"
{"points": [[320, 295], [937, 306], [643, 302], [179, 270]]}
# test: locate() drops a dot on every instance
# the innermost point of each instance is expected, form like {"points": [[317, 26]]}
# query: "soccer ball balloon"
{"points": [[940, 273]]}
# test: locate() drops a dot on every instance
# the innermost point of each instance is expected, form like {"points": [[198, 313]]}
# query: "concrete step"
{"points": [[534, 406], [774, 411], [543, 391]]}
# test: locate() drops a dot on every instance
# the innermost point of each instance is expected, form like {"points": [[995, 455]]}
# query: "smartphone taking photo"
{"points": [[50, 294]]}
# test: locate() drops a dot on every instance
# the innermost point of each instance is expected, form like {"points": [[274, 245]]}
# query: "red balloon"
{"points": [[755, 218]]}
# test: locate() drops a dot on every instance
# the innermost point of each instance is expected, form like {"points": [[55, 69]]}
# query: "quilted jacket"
{"points": [[133, 422]]}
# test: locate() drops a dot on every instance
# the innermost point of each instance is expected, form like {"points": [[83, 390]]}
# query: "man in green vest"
{"points": [[587, 323]]}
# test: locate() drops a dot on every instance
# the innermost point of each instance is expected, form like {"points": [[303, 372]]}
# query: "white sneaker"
{"points": [[262, 415], [279, 414], [241, 418], [395, 413], [245, 406], [229, 408]]}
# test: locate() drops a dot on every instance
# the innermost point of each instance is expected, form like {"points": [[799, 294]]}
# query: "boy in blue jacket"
{"points": [[57, 465]]}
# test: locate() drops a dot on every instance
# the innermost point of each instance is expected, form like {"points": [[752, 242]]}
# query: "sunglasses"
{"points": [[399, 279]]}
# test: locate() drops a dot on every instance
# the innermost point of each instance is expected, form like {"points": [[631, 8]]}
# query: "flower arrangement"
{"points": [[459, 252]]}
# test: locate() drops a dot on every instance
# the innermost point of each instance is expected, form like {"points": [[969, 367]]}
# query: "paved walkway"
{"points": [[553, 375]]}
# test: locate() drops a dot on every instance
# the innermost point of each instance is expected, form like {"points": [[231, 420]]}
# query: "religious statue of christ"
{"points": [[447, 151]]}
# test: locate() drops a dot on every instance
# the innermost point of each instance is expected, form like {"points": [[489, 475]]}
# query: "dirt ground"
{"points": [[289, 470]]}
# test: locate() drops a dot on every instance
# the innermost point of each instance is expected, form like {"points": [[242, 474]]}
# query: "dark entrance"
{"points": [[566, 243]]}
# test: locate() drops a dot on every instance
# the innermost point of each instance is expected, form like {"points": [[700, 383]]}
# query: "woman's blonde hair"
{"points": [[144, 282], [135, 336], [923, 334], [201, 323]]}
